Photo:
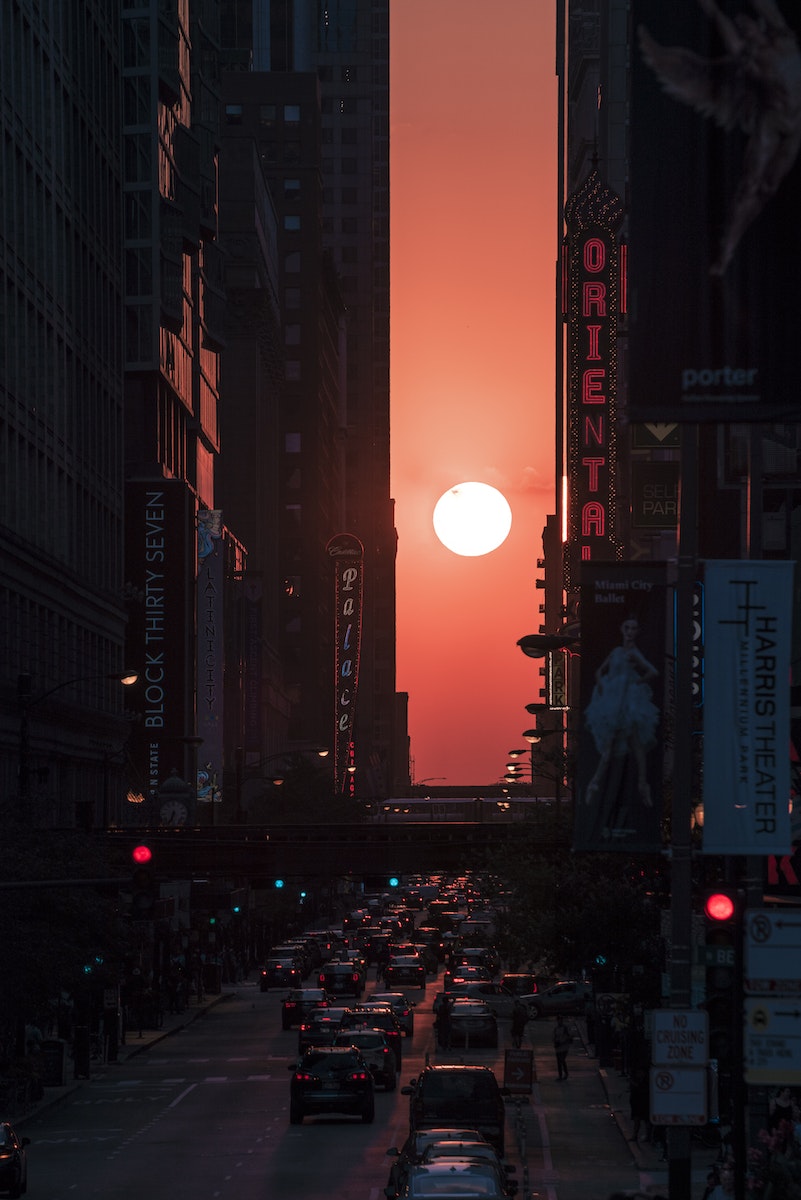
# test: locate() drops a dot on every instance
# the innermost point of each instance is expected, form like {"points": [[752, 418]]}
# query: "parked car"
{"points": [[376, 1052], [445, 1094], [473, 1023], [331, 1079], [412, 1151], [402, 1007], [570, 996], [320, 1028], [13, 1160], [297, 1004]]}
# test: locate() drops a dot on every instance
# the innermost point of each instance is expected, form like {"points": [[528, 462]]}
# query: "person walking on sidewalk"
{"points": [[519, 1022], [561, 1044]]}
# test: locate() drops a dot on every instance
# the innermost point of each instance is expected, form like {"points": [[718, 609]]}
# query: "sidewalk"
{"points": [[135, 1043]]}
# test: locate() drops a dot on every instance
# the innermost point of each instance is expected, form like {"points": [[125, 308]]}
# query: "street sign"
{"points": [[772, 1041], [680, 1037], [678, 1096], [518, 1070], [772, 951]]}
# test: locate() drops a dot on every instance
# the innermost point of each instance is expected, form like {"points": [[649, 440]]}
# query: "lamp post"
{"points": [[27, 701]]}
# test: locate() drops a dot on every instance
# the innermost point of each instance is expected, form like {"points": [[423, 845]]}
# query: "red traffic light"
{"points": [[719, 906], [141, 854]]}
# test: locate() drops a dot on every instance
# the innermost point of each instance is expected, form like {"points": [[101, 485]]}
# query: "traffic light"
{"points": [[393, 881], [723, 960], [143, 885]]}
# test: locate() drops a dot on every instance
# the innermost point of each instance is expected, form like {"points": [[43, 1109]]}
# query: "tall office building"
{"points": [[62, 610], [345, 46]]}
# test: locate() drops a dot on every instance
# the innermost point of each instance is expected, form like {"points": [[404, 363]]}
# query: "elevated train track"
{"points": [[256, 852]]}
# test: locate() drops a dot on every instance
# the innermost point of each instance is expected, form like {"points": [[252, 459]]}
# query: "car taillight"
{"points": [[386, 1050], [358, 1076], [290, 1004], [321, 978], [355, 977], [303, 1077]]}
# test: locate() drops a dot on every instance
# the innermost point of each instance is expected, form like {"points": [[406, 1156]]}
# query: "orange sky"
{"points": [[473, 199]]}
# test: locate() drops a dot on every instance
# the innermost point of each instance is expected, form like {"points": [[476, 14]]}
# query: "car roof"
{"points": [[469, 1004]]}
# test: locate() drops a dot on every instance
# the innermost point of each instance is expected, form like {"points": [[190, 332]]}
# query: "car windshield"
{"points": [[468, 1086], [314, 1059]]}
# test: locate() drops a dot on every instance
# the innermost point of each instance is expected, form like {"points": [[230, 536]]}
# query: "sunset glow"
{"points": [[474, 246]]}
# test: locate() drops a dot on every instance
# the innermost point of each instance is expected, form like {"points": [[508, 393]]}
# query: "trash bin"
{"points": [[54, 1062]]}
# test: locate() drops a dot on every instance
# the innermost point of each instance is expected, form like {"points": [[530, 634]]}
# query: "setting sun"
{"points": [[472, 519]]}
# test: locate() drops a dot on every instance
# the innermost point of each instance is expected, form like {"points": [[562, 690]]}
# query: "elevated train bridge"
{"points": [[255, 853]]}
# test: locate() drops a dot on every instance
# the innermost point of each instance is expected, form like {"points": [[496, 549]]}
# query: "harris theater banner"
{"points": [[715, 192], [623, 685], [747, 640]]}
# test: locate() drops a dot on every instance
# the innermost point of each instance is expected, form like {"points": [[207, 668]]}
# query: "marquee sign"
{"points": [[348, 555], [593, 291]]}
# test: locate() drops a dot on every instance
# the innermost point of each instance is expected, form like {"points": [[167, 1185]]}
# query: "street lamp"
{"points": [[27, 701]]}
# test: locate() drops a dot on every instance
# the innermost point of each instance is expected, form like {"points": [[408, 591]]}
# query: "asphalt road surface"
{"points": [[204, 1114]]}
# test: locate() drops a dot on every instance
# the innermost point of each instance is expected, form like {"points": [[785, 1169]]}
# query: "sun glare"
{"points": [[472, 519]]}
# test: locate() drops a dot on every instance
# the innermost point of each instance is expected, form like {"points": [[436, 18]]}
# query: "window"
{"points": [[267, 114], [292, 443], [292, 113], [292, 222], [291, 189], [233, 114]]}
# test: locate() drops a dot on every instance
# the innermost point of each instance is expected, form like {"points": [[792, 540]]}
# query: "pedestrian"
{"points": [[725, 1188], [639, 1098], [561, 1044], [444, 1023], [519, 1022]]}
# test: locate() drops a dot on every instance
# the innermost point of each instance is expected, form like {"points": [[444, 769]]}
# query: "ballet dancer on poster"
{"points": [[621, 714]]}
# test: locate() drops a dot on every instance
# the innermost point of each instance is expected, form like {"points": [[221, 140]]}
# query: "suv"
{"points": [[297, 1004], [331, 1079], [341, 978], [376, 1052], [458, 1095]]}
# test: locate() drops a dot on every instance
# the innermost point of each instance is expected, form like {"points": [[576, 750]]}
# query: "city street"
{"points": [[204, 1102]]}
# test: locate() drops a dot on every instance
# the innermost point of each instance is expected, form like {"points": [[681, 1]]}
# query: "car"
{"points": [[376, 1051], [458, 1094], [280, 972], [331, 1079], [412, 1151], [454, 1177], [402, 1007], [473, 1023], [474, 1151], [406, 969], [479, 956], [376, 1016], [499, 1000], [320, 1028], [569, 996], [297, 1004], [13, 1160], [519, 983], [465, 974], [341, 978]]}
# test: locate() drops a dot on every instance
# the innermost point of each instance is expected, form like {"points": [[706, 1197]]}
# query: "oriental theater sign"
{"points": [[593, 300]]}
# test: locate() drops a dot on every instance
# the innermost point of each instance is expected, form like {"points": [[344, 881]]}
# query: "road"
{"points": [[204, 1114]]}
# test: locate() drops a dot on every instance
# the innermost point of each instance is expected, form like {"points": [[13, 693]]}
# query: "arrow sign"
{"points": [[518, 1070]]}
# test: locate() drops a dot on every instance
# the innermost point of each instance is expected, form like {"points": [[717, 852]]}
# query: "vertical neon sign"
{"points": [[592, 294], [348, 555]]}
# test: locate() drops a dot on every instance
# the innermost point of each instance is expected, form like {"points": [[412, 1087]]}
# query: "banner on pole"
{"points": [[623, 678], [747, 638]]}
